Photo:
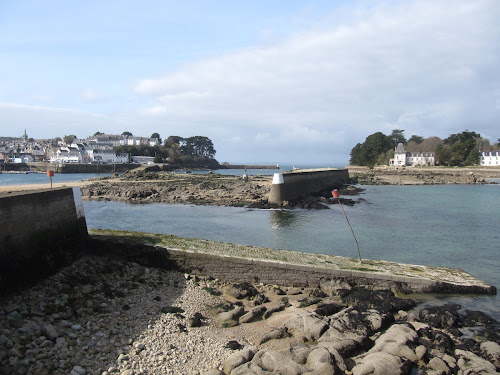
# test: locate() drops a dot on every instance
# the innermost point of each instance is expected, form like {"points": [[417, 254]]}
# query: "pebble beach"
{"points": [[101, 316]]}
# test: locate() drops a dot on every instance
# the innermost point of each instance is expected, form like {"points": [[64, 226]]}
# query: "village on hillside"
{"points": [[94, 149]]}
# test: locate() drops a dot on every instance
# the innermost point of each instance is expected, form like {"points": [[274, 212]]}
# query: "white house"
{"points": [[104, 156], [403, 158], [65, 155], [490, 158]]}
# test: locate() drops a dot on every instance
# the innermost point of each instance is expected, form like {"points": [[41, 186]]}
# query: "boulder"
{"points": [[491, 351], [474, 318], [380, 363], [238, 358], [438, 365], [249, 368], [383, 300], [469, 364], [331, 287], [307, 325], [232, 315], [280, 307], [395, 341], [320, 362], [278, 333], [349, 329], [440, 316], [274, 361], [240, 291], [253, 314], [298, 353]]}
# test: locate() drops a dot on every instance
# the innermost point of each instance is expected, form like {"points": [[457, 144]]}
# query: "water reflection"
{"points": [[282, 219]]}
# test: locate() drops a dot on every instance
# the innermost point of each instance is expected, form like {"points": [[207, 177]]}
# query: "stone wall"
{"points": [[235, 270], [299, 184], [41, 231]]}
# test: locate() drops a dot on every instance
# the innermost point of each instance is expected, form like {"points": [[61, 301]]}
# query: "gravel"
{"points": [[103, 316]]}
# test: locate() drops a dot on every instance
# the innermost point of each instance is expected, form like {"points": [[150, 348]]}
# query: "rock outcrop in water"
{"points": [[207, 189]]}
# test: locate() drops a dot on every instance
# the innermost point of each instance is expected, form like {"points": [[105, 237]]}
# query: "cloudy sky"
{"points": [[291, 81]]}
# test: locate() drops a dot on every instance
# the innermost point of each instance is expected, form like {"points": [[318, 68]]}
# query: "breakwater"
{"points": [[240, 263], [292, 185]]}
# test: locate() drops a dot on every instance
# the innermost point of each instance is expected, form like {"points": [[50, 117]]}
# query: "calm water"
{"points": [[445, 225], [41, 178]]}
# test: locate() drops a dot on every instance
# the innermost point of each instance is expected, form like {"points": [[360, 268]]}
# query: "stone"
{"points": [[420, 351], [440, 316], [278, 333], [320, 361], [253, 314], [307, 325], [469, 363], [127, 372], [379, 363], [298, 353], [11, 308], [383, 300], [50, 332], [439, 365], [230, 315], [241, 290], [274, 361], [491, 351], [238, 358], [233, 345], [78, 370], [214, 371]]}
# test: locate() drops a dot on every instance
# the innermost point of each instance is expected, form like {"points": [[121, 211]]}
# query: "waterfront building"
{"points": [[490, 158], [403, 158]]}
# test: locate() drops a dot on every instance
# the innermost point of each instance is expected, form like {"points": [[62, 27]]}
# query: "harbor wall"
{"points": [[41, 232], [70, 167], [233, 269], [299, 184]]}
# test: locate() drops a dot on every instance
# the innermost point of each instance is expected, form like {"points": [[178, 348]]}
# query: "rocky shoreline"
{"points": [[206, 189], [105, 315], [421, 175]]}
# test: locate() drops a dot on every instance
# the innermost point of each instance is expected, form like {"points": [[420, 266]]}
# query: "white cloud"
{"points": [[419, 65], [90, 95], [428, 67]]}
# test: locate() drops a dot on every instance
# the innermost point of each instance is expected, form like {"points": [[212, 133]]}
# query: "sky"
{"points": [[289, 81]]}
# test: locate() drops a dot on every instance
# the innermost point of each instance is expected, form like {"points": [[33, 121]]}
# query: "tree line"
{"points": [[191, 152], [460, 149]]}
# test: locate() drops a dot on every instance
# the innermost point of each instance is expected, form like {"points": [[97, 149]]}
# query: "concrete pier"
{"points": [[239, 263], [294, 185]]}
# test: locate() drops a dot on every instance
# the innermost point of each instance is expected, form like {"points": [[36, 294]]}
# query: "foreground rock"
{"points": [[107, 316]]}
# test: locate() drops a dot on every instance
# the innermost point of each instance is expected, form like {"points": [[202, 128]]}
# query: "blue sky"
{"points": [[289, 81]]}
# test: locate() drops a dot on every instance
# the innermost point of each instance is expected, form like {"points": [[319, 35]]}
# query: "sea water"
{"points": [[436, 225]]}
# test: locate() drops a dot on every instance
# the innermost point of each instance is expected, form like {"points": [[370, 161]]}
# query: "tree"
{"points": [[416, 138], [129, 134], [398, 136], [459, 149], [98, 133], [157, 136], [69, 139], [369, 152], [198, 147], [173, 140]]}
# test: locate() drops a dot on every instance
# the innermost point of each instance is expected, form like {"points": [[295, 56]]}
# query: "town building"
{"points": [[402, 158], [490, 158]]}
